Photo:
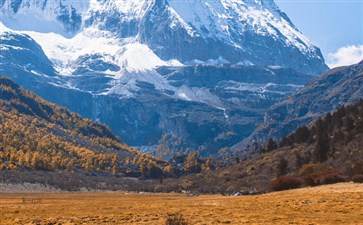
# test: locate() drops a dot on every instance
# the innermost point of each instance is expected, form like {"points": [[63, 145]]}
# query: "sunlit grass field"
{"points": [[331, 204]]}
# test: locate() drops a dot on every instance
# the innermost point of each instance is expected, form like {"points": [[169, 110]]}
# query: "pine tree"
{"points": [[271, 145], [282, 167], [302, 135], [349, 123], [322, 147], [299, 161]]}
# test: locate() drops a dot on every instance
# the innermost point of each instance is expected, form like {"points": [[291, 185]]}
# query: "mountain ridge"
{"points": [[323, 94], [222, 23], [206, 80]]}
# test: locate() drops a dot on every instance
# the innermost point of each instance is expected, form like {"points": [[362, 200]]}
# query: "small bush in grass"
{"points": [[285, 183], [358, 178], [175, 219]]}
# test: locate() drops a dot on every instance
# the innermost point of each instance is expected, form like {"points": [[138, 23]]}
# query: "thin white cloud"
{"points": [[345, 56]]}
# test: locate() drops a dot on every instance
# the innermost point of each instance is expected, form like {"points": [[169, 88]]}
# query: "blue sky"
{"points": [[336, 26]]}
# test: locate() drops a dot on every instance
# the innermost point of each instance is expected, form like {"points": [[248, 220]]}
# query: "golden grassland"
{"points": [[331, 204]]}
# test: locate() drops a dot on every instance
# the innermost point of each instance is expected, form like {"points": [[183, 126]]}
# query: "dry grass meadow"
{"points": [[331, 204]]}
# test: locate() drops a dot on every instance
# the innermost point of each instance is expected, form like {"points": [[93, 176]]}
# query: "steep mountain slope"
{"points": [[201, 71], [237, 31], [240, 30], [201, 105], [38, 135], [327, 152], [339, 86], [21, 53]]}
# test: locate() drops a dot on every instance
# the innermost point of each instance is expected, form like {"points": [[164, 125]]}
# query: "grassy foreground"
{"points": [[331, 204]]}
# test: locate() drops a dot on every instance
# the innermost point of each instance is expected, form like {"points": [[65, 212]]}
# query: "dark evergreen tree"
{"points": [[237, 160], [348, 123], [299, 161], [328, 121], [282, 167], [359, 125], [322, 147], [302, 135], [271, 145]]}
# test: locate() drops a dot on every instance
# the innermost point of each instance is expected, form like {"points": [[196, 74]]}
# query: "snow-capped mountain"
{"points": [[189, 31], [201, 70]]}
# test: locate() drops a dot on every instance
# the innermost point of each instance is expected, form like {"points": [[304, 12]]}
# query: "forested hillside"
{"points": [[38, 135], [329, 150], [325, 93]]}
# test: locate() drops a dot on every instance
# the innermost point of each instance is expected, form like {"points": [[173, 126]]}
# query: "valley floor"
{"points": [[331, 204]]}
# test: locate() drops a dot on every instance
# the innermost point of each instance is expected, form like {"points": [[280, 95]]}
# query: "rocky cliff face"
{"points": [[204, 71], [237, 31]]}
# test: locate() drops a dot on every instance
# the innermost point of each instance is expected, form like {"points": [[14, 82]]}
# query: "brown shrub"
{"points": [[187, 184], [318, 174], [231, 189], [358, 178], [315, 169], [159, 188], [357, 168], [175, 219], [332, 179], [285, 183], [311, 181], [324, 179]]}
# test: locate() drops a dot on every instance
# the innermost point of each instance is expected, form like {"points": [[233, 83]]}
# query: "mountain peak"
{"points": [[183, 30], [205, 71]]}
